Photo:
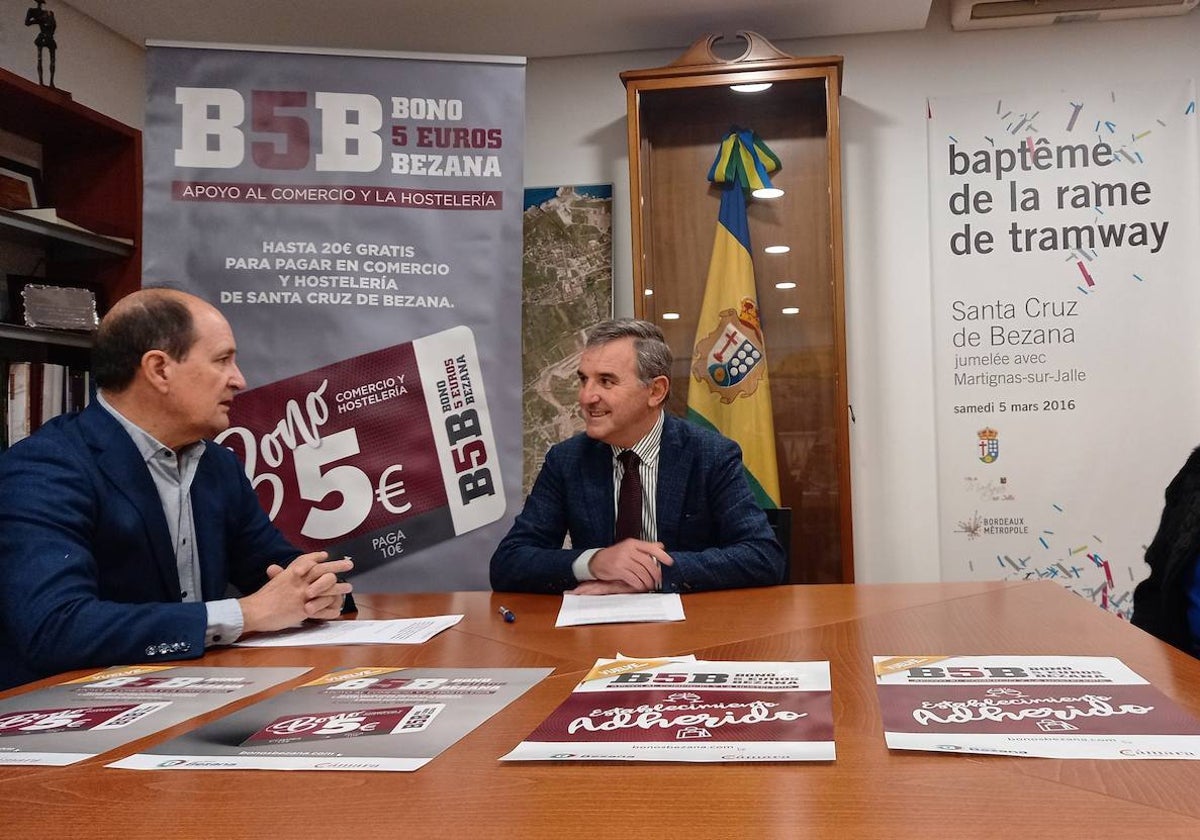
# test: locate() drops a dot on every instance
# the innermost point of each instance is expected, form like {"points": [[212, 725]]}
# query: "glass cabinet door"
{"points": [[677, 118]]}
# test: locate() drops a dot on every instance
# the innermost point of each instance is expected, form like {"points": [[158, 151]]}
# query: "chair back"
{"points": [[780, 520]]}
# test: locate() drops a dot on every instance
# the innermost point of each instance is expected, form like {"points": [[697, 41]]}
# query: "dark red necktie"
{"points": [[629, 499]]}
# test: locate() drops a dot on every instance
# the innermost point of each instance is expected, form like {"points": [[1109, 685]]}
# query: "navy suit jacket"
{"points": [[87, 570], [708, 520]]}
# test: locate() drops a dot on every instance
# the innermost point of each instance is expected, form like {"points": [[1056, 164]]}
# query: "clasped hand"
{"points": [[307, 588], [628, 566]]}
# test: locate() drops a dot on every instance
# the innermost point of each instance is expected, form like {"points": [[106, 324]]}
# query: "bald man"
{"points": [[123, 528]]}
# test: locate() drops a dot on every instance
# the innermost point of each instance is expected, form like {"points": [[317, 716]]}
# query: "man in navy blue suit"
{"points": [[122, 527], [700, 526]]}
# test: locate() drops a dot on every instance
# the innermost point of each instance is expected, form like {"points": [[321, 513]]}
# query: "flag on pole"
{"points": [[728, 391]]}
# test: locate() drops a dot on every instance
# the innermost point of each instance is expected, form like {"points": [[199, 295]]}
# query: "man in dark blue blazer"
{"points": [[701, 528], [122, 528]]}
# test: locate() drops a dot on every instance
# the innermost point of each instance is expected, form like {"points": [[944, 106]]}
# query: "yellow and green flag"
{"points": [[728, 391]]}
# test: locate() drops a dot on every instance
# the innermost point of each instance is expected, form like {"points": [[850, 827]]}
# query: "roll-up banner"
{"points": [[1064, 253], [357, 218]]}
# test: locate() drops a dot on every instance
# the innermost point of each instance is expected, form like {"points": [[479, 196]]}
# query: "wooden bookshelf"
{"points": [[91, 175]]}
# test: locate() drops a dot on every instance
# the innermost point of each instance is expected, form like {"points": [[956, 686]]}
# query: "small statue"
{"points": [[43, 19]]}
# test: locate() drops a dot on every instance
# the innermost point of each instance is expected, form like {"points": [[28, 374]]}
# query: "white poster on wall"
{"points": [[1065, 298]]}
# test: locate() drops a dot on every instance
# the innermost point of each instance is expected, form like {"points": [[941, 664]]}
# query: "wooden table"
{"points": [[869, 792]]}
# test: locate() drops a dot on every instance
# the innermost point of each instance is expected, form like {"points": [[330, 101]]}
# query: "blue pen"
{"points": [[508, 614]]}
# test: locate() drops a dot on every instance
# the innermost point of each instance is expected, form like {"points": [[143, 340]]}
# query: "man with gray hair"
{"points": [[650, 502]]}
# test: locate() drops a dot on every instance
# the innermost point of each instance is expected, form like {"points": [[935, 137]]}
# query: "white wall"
{"points": [[576, 135]]}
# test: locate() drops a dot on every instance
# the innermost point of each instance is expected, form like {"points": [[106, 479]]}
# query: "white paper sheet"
{"points": [[619, 609], [398, 631]]}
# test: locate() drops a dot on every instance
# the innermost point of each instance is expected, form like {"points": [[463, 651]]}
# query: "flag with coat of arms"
{"points": [[728, 390]]}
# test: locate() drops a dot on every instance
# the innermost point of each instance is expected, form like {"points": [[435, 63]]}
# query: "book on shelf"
{"points": [[78, 389], [36, 392], [18, 419], [54, 383], [33, 396], [3, 404]]}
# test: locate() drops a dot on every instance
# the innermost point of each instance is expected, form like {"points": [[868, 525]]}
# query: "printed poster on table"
{"points": [[1065, 300], [690, 710], [357, 218], [79, 719], [395, 719], [1040, 706]]}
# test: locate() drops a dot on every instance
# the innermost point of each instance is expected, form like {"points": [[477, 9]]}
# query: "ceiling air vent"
{"points": [[1004, 14]]}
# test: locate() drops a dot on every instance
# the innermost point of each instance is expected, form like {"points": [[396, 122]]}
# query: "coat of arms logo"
{"points": [[989, 445], [730, 359]]}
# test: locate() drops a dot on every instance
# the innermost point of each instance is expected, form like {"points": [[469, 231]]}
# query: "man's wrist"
{"points": [[225, 622], [582, 566]]}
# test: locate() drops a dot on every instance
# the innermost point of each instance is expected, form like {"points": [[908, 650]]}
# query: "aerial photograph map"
{"points": [[566, 286]]}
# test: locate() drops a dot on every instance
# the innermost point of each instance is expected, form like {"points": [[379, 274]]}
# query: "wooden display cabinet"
{"points": [[677, 117]]}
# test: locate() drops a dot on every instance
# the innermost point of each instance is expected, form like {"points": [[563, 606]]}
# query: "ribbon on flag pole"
{"points": [[743, 159]]}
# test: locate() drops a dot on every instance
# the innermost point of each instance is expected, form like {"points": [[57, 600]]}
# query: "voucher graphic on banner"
{"points": [[355, 215], [71, 721], [1063, 254], [400, 437], [690, 710], [1041, 706], [395, 719]]}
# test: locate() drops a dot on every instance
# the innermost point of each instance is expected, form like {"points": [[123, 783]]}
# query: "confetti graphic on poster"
{"points": [[1063, 254]]}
